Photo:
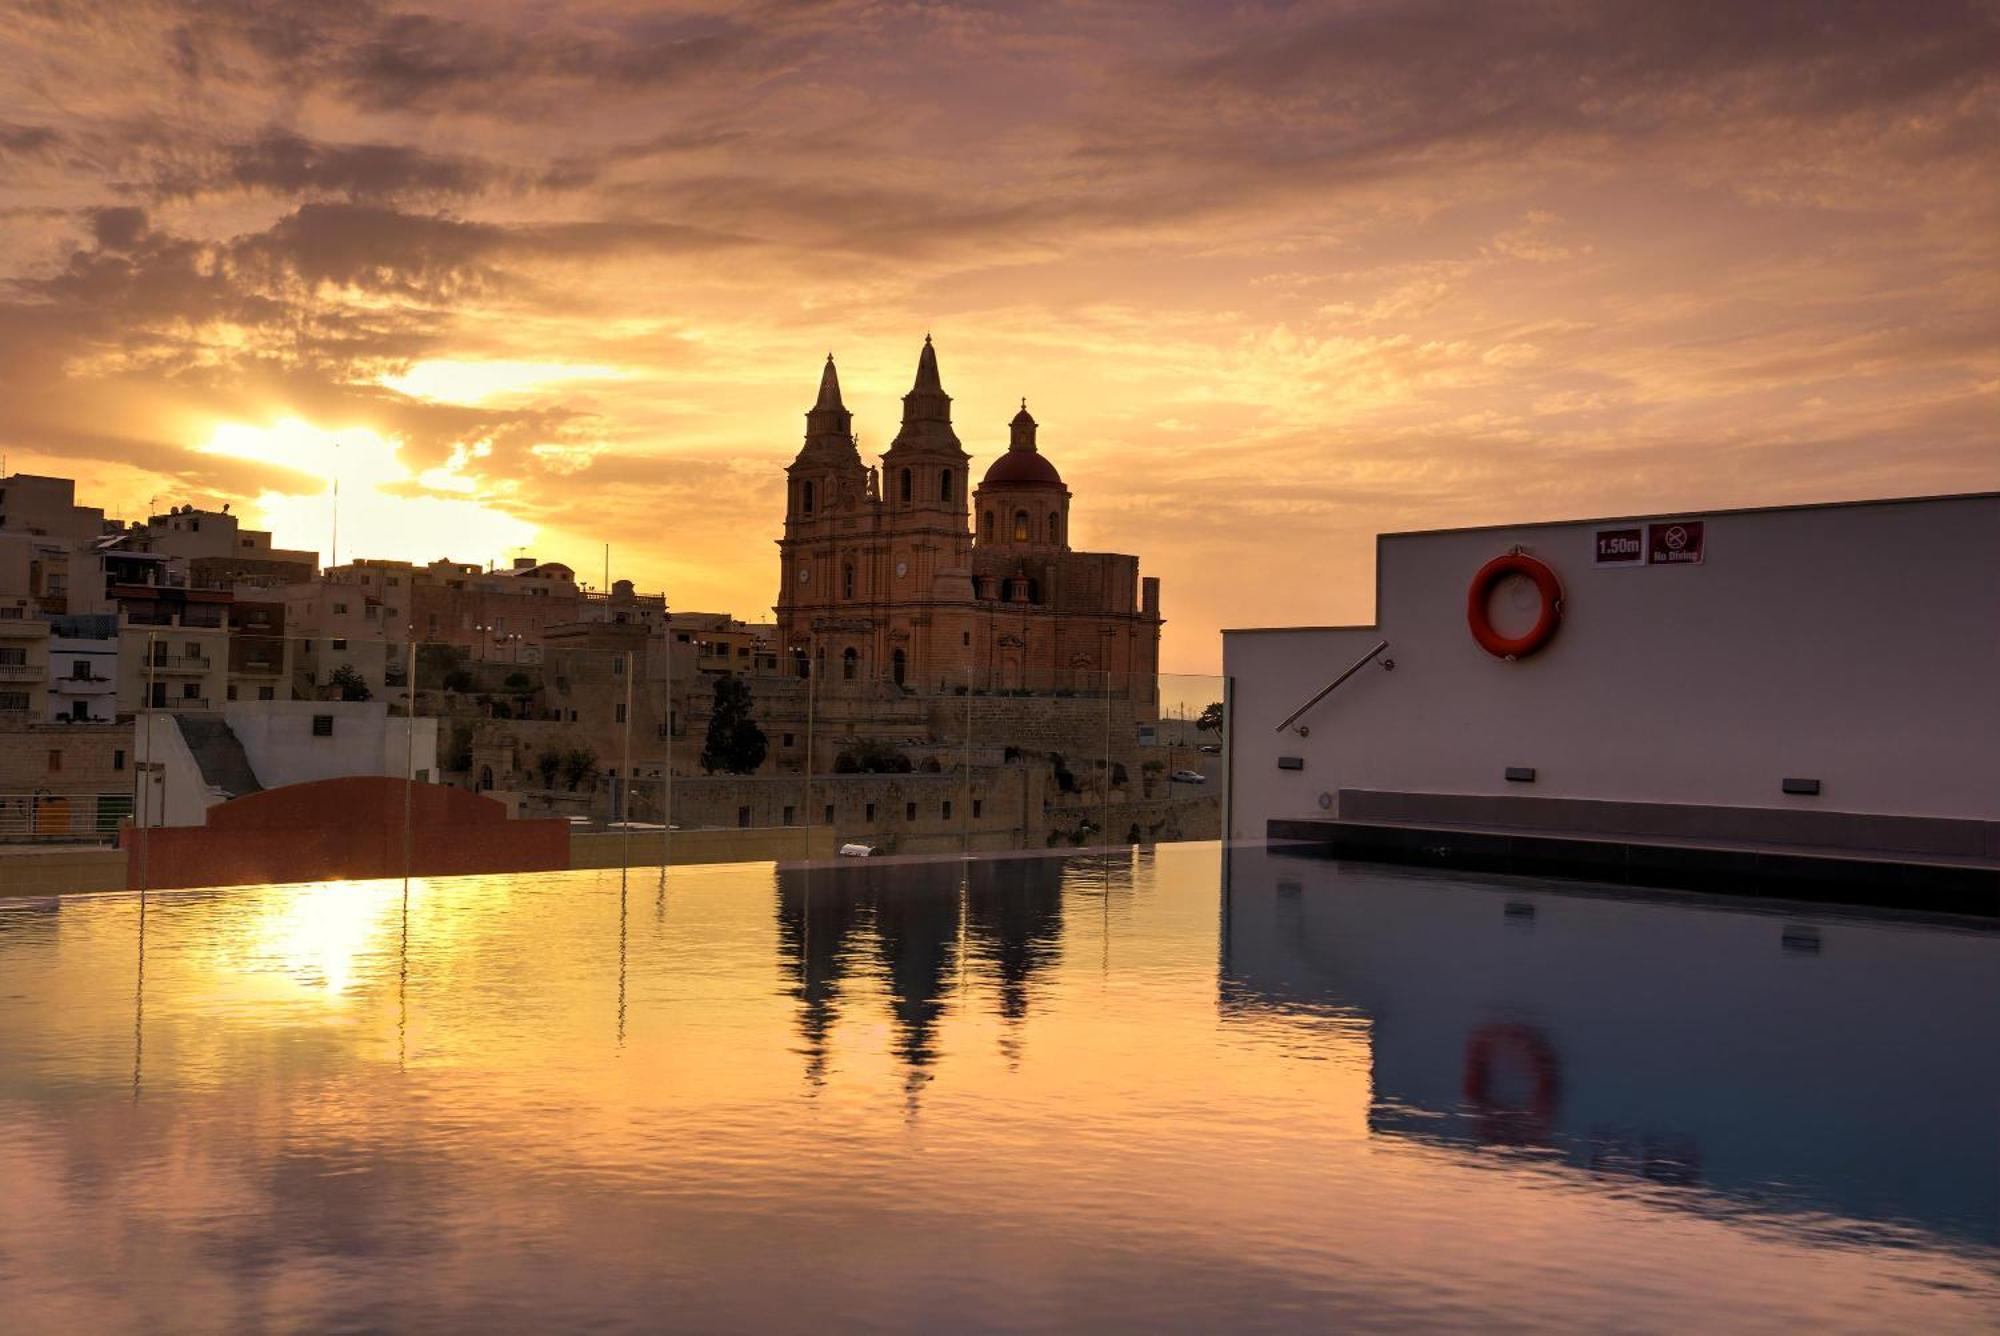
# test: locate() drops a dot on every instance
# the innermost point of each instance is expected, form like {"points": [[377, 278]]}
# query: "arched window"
{"points": [[899, 665], [986, 527], [1022, 531], [803, 664], [907, 487], [806, 497], [849, 660], [847, 580], [1055, 527], [944, 485]]}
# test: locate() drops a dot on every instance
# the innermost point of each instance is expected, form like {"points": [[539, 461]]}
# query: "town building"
{"points": [[83, 668]]}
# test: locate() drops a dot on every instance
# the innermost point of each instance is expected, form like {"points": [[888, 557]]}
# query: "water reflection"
{"points": [[992, 1094], [916, 926], [1666, 1043]]}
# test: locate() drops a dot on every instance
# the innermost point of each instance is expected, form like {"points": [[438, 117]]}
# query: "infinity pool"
{"points": [[1188, 1089]]}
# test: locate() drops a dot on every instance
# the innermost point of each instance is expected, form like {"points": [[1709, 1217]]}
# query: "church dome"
{"points": [[1019, 467], [1023, 465]]}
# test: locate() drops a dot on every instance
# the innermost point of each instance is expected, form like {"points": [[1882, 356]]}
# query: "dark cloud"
{"points": [[1431, 73], [290, 164], [117, 229], [26, 139]]}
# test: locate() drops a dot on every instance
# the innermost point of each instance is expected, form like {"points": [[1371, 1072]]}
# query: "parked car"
{"points": [[1190, 777], [1211, 748]]}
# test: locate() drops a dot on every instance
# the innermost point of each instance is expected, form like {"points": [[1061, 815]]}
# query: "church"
{"points": [[884, 576]]}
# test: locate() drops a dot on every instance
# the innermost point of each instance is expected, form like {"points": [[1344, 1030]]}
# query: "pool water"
{"points": [[1187, 1088]]}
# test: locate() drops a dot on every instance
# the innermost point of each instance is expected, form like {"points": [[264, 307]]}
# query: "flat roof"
{"points": [[1693, 511]]}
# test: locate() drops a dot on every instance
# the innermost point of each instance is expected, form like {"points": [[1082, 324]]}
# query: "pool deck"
{"points": [[1833, 876]]}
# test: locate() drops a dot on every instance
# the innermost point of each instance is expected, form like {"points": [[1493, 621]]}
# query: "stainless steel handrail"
{"points": [[1322, 693]]}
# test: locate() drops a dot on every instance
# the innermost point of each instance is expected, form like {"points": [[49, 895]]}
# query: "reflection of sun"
{"points": [[318, 933], [385, 508]]}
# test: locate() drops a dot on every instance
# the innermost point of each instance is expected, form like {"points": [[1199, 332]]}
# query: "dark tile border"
{"points": [[1891, 883]]}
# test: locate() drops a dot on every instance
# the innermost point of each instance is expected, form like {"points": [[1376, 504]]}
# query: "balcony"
{"points": [[181, 663], [183, 703], [83, 686], [22, 672]]}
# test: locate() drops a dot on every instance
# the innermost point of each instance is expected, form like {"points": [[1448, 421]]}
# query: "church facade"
{"points": [[908, 572]]}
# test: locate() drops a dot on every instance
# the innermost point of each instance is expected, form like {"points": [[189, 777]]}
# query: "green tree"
{"points": [[735, 744], [1210, 720], [351, 684], [578, 764]]}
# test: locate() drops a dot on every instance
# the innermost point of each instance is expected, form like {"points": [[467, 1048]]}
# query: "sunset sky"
{"points": [[1272, 277]]}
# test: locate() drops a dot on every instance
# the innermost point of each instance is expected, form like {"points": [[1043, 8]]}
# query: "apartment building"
{"points": [[83, 668]]}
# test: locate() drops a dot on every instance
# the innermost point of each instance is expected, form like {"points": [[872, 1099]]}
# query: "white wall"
{"points": [[1855, 644], [277, 738], [179, 795]]}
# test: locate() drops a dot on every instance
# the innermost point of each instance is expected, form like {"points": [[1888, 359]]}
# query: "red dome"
{"points": [[1028, 468]]}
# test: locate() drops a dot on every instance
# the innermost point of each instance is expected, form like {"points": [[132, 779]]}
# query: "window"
{"points": [[900, 664], [190, 690], [118, 759], [1020, 526], [340, 642], [944, 485], [829, 814], [849, 661], [231, 692], [847, 580], [787, 740], [788, 814], [906, 485], [965, 637], [618, 716], [871, 813], [266, 693], [909, 811], [977, 805], [986, 527], [13, 656], [947, 809], [322, 725], [14, 614], [618, 667], [1055, 527], [55, 759], [805, 500], [79, 669], [13, 700], [743, 817], [339, 608], [394, 581]]}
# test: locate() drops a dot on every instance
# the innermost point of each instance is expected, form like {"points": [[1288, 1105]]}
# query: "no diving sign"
{"points": [[1674, 543]]}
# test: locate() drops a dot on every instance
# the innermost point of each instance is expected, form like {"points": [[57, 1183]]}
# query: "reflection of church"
{"points": [[883, 577], [1006, 917]]}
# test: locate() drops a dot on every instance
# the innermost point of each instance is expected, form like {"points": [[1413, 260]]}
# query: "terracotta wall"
{"points": [[351, 827]]}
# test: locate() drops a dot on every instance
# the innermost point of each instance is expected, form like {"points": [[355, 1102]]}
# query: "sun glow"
{"points": [[375, 502]]}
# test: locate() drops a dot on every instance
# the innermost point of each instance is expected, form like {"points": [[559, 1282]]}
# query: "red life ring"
{"points": [[1523, 1047], [1538, 635]]}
